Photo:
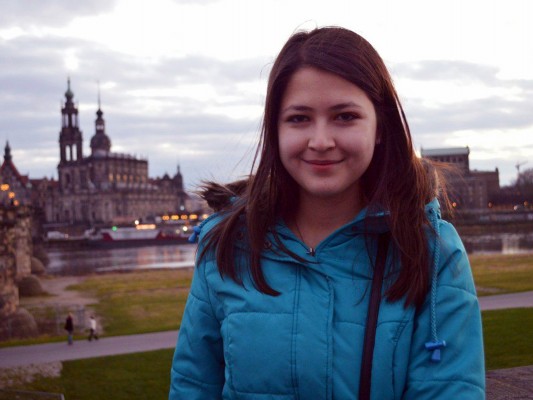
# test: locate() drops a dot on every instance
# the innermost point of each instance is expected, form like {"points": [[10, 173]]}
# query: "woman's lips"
{"points": [[322, 162]]}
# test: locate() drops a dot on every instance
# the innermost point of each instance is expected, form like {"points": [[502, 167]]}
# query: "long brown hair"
{"points": [[395, 180]]}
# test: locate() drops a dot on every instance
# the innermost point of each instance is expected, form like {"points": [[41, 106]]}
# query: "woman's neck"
{"points": [[316, 218]]}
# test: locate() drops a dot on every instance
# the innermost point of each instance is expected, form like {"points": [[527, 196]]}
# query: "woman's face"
{"points": [[327, 134]]}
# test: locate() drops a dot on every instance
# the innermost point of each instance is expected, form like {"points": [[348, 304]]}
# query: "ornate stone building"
{"points": [[106, 187], [101, 188]]}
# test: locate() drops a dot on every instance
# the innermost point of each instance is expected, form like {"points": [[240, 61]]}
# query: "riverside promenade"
{"points": [[512, 383]]}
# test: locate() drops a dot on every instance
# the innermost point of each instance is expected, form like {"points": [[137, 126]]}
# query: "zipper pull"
{"points": [[311, 252]]}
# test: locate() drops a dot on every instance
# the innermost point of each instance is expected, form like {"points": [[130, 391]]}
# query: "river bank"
{"points": [[468, 228]]}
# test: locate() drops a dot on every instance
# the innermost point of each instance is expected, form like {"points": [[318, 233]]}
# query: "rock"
{"points": [[20, 324], [37, 267], [39, 252], [30, 286]]}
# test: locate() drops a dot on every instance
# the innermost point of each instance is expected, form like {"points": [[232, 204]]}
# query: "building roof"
{"points": [[9, 165], [446, 151]]}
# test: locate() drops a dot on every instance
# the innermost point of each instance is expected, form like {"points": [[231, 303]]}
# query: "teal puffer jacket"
{"points": [[237, 343]]}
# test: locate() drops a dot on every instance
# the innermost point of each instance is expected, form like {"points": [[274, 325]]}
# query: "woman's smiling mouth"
{"points": [[322, 162]]}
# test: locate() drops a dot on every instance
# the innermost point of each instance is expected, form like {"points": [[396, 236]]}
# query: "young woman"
{"points": [[329, 273]]}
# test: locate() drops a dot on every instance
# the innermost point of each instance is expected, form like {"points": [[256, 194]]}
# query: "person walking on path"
{"points": [[69, 327], [92, 329]]}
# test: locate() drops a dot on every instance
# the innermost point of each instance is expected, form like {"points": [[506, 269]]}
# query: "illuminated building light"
{"points": [[193, 216], [145, 226], [184, 216], [4, 187], [175, 217], [11, 195], [165, 217]]}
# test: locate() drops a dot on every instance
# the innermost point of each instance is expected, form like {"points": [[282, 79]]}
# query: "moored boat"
{"points": [[139, 235]]}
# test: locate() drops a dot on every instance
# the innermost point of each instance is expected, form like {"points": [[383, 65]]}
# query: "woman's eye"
{"points": [[346, 117], [297, 118]]}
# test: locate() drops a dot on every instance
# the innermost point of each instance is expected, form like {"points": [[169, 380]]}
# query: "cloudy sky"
{"points": [[183, 81]]}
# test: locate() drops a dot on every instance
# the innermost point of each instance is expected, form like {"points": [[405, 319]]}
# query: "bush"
{"points": [[30, 286]]}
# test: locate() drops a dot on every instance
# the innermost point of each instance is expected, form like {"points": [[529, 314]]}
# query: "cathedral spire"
{"points": [[99, 104], [7, 152], [68, 94]]}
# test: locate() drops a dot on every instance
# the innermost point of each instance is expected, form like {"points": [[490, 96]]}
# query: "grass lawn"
{"points": [[507, 344], [139, 302], [125, 377], [130, 303], [154, 300], [508, 338], [502, 273]]}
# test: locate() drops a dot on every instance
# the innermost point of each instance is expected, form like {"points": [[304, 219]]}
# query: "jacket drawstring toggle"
{"points": [[435, 347], [194, 235]]}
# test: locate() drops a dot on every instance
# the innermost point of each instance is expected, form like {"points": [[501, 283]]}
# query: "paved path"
{"points": [[511, 300], [51, 352], [511, 383]]}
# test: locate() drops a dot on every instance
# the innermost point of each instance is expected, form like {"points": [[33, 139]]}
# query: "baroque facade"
{"points": [[101, 188]]}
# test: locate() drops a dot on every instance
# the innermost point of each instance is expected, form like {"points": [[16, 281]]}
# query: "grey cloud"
{"points": [[34, 82], [43, 59], [438, 70], [491, 112], [54, 13]]}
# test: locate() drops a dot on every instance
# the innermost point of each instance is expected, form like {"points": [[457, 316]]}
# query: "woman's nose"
{"points": [[321, 138]]}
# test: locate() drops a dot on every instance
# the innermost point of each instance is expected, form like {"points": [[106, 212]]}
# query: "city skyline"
{"points": [[183, 82]]}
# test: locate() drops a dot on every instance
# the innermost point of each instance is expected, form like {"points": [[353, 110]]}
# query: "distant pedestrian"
{"points": [[92, 329], [69, 327]]}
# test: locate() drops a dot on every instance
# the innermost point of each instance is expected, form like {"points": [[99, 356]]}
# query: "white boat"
{"points": [[139, 235]]}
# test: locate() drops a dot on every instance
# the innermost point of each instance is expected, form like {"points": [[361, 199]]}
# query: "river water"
{"points": [[503, 243], [85, 261], [82, 261]]}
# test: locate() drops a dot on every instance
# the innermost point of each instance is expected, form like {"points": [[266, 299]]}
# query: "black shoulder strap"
{"points": [[372, 318]]}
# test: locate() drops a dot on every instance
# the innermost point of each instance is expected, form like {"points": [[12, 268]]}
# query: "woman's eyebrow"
{"points": [[336, 107], [342, 106], [296, 107]]}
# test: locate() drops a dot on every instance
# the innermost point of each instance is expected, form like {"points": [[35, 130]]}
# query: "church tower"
{"points": [[70, 137], [100, 142]]}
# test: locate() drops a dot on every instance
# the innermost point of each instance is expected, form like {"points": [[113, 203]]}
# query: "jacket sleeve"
{"points": [[460, 373], [198, 364]]}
